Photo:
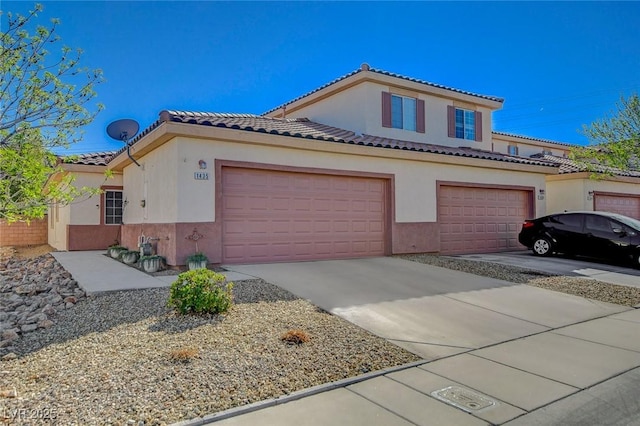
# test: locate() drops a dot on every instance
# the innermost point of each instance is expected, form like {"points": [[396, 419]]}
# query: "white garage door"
{"points": [[283, 216], [481, 220], [621, 204]]}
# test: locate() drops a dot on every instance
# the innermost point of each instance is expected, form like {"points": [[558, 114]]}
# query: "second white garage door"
{"points": [[621, 204], [481, 220], [272, 216]]}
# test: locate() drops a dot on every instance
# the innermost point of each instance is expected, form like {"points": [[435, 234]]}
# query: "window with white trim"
{"points": [[465, 124], [513, 150], [403, 112], [113, 207]]}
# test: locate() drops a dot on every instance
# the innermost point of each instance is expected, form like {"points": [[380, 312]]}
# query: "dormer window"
{"points": [[403, 112], [513, 150]]}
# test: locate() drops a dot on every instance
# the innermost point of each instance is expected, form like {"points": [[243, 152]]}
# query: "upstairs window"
{"points": [[402, 112], [113, 207], [513, 150], [464, 124]]}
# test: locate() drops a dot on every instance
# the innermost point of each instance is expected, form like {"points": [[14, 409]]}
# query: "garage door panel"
{"points": [[493, 225], [304, 217], [621, 204]]}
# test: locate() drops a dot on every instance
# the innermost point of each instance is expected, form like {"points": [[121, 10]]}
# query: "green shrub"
{"points": [[198, 257], [201, 291]]}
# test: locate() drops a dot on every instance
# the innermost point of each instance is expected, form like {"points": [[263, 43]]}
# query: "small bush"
{"points": [[295, 337], [201, 291], [198, 257], [184, 354]]}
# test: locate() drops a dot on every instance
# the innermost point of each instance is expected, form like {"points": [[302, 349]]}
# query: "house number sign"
{"points": [[201, 175]]}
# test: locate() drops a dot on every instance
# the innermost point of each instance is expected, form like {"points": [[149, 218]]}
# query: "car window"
{"points": [[629, 221], [569, 220], [598, 223]]}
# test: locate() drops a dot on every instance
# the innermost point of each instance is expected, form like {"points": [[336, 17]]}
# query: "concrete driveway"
{"points": [[601, 271], [431, 311]]}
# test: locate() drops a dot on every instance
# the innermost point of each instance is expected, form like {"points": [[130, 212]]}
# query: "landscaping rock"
{"points": [[9, 335], [32, 293]]}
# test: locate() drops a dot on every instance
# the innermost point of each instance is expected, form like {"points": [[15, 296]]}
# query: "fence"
{"points": [[22, 234]]}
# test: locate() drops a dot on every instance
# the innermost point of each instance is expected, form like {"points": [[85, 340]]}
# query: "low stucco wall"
{"points": [[170, 240], [91, 237]]}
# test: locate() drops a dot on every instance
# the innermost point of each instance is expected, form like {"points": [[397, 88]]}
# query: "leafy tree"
{"points": [[615, 140], [43, 99]]}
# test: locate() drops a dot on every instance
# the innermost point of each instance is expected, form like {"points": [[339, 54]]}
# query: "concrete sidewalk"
{"points": [[583, 374], [95, 273], [493, 352]]}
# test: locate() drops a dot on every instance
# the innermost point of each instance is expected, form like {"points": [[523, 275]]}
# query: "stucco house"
{"points": [[88, 223], [370, 164]]}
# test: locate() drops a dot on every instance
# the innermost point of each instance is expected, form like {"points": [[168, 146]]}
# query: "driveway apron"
{"points": [[433, 312]]}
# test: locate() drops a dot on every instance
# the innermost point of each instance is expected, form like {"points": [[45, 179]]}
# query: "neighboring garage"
{"points": [[625, 204], [481, 219], [271, 215]]}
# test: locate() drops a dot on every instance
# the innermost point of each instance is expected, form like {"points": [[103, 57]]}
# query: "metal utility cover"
{"points": [[463, 398]]}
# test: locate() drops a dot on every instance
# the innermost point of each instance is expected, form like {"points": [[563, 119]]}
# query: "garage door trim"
{"points": [[528, 190], [597, 194], [389, 197]]}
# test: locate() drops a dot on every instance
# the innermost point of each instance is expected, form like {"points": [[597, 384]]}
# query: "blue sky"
{"points": [[558, 65]]}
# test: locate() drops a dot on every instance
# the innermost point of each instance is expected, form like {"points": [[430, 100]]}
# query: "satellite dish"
{"points": [[123, 130]]}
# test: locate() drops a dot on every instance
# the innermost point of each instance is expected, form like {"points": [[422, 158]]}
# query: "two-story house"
{"points": [[370, 164]]}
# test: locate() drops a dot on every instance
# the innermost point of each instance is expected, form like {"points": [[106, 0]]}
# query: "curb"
{"points": [[303, 393]]}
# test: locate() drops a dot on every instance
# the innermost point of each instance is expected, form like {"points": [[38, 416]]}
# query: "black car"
{"points": [[593, 234]]}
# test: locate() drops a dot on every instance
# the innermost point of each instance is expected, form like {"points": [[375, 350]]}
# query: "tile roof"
{"points": [[568, 165], [365, 67], [91, 159], [306, 129], [532, 138]]}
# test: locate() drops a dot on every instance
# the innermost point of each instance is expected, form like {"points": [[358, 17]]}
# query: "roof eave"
{"points": [[148, 142], [384, 79], [169, 130]]}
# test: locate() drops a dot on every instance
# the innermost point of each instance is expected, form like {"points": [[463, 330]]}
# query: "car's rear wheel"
{"points": [[636, 260], [542, 247]]}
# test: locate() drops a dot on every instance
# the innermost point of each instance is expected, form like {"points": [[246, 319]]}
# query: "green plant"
{"points": [[198, 257], [117, 247], [201, 291]]}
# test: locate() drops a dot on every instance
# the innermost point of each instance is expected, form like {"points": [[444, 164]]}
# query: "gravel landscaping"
{"points": [[124, 358], [583, 287]]}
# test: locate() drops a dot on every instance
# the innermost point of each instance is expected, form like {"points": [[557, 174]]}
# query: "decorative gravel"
{"points": [[591, 289], [583, 287], [124, 358]]}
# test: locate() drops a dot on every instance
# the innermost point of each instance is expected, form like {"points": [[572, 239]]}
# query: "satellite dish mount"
{"points": [[124, 130]]}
